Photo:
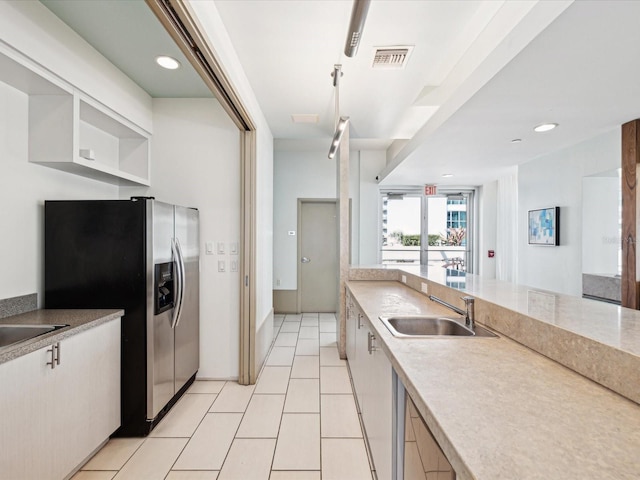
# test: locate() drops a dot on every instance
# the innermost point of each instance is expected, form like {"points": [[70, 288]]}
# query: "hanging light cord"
{"points": [[337, 73]]}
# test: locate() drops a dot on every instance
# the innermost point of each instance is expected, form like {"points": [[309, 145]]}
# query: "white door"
{"points": [[318, 256]]}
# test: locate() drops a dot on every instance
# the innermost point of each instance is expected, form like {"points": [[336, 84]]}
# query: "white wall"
{"points": [[600, 224], [556, 180], [213, 30], [195, 152], [311, 174], [23, 188], [371, 163], [295, 175], [487, 228]]}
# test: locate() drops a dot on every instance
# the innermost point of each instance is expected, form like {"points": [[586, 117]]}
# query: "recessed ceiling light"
{"points": [[167, 62], [545, 127], [516, 140], [447, 175]]}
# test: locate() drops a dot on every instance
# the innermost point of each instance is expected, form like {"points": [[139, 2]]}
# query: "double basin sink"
{"points": [[425, 326], [12, 334]]}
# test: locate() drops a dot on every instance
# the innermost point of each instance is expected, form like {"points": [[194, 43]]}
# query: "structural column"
{"points": [[630, 198], [344, 239]]}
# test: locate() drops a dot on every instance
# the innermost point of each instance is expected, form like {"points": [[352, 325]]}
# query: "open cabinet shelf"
{"points": [[63, 122]]}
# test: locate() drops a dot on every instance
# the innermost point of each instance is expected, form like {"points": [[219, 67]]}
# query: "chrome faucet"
{"points": [[468, 314]]}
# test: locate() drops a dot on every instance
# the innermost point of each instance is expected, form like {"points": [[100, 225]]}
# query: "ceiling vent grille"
{"points": [[391, 57]]}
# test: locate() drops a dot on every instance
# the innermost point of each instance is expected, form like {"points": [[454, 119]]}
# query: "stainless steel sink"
{"points": [[431, 326], [12, 334]]}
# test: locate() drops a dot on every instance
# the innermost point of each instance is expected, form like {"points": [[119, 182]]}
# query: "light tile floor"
{"points": [[299, 422]]}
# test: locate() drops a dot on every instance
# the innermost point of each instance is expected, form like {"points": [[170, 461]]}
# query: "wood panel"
{"points": [[630, 160]]}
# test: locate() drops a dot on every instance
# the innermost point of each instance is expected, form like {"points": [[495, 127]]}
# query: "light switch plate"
{"points": [[424, 287], [208, 248], [233, 248], [234, 265], [220, 248], [221, 266]]}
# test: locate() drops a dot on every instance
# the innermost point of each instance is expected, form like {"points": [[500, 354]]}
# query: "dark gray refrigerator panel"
{"points": [[142, 256]]}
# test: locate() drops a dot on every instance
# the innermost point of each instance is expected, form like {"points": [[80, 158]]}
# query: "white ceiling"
{"points": [[498, 68], [481, 74]]}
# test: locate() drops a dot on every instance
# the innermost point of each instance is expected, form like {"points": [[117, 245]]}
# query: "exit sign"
{"points": [[430, 190]]}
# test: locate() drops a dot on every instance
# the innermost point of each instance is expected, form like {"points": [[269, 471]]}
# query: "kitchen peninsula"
{"points": [[500, 410]]}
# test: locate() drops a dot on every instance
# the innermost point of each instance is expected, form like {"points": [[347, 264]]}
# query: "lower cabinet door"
{"points": [[26, 411], [88, 393], [379, 413], [51, 420], [373, 380]]}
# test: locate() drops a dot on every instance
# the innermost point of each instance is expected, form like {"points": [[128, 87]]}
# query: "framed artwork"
{"points": [[544, 226]]}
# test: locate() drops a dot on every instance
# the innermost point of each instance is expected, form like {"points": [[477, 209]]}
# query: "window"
{"points": [[433, 231]]}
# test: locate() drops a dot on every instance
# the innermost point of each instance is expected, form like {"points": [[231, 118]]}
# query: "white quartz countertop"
{"points": [[78, 321], [500, 410]]}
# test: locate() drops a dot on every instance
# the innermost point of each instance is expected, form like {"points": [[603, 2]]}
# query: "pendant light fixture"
{"points": [[341, 122], [337, 136], [356, 26]]}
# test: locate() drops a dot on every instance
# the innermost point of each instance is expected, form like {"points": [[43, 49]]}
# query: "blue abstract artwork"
{"points": [[543, 226]]}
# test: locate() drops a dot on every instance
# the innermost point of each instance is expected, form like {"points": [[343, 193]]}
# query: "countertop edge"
{"points": [[79, 320]]}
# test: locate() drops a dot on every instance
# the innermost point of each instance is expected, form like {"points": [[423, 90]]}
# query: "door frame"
{"points": [[302, 201], [182, 25]]}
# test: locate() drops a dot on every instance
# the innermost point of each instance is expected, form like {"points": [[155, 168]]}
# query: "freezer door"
{"points": [[160, 337], [187, 330]]}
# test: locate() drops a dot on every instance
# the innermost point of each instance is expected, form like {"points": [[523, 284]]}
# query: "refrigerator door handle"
{"points": [[178, 276], [183, 280]]}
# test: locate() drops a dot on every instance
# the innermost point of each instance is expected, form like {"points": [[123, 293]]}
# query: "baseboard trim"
{"points": [[285, 301]]}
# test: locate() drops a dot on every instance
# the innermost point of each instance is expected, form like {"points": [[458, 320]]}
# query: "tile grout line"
{"points": [[194, 431], [275, 448]]}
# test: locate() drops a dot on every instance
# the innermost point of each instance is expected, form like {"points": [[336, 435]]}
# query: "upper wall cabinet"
{"points": [[70, 131]]}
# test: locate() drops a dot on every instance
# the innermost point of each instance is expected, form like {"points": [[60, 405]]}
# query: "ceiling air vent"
{"points": [[391, 57]]}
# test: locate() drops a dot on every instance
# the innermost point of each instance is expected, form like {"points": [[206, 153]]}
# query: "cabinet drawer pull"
{"points": [[370, 339], [55, 355]]}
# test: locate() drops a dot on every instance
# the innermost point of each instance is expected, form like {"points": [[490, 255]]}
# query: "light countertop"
{"points": [[596, 339], [78, 321], [500, 410]]}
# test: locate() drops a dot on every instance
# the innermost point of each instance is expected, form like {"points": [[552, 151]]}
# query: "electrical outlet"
{"points": [[277, 282], [424, 287], [404, 279]]}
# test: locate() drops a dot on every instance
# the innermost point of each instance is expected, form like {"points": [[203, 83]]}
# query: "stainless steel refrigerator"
{"points": [[140, 255]]}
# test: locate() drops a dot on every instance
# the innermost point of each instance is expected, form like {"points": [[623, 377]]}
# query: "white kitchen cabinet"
{"points": [[378, 414], [373, 381], [51, 420], [64, 121], [352, 316]]}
